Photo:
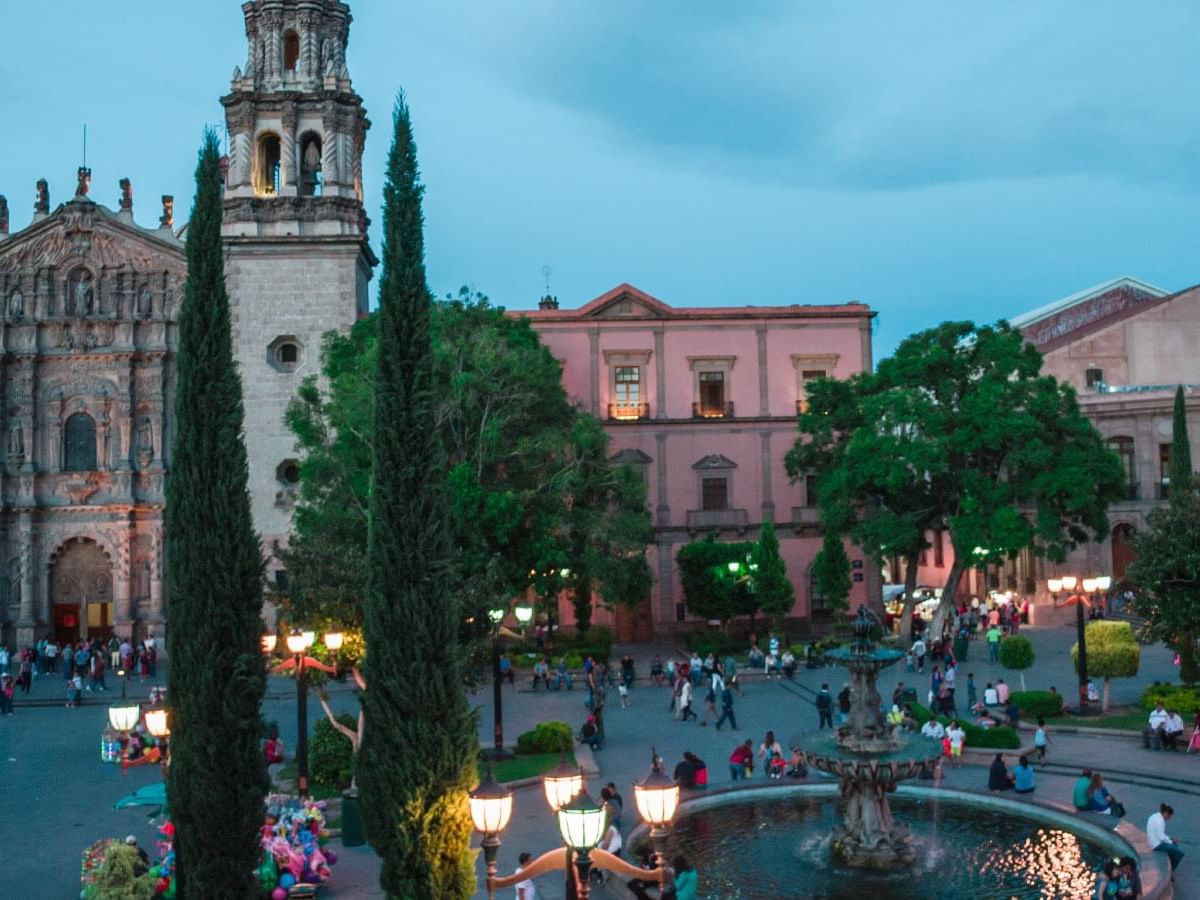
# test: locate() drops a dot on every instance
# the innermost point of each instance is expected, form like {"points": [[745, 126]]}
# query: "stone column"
{"points": [[27, 621], [768, 498], [663, 510], [122, 584], [666, 582], [288, 154], [660, 375], [594, 360], [764, 407], [156, 618]]}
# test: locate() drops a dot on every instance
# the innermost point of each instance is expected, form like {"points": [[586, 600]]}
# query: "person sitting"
{"points": [[506, 670], [1023, 776], [273, 750], [895, 717], [691, 772], [1079, 795], [541, 674], [755, 658], [1099, 799], [741, 761], [590, 734], [561, 674], [771, 665], [1001, 692], [656, 671], [1172, 730], [789, 663], [1153, 734], [933, 729], [797, 767], [1012, 713], [999, 778], [991, 697]]}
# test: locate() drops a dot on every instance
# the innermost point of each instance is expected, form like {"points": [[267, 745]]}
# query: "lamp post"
{"points": [[581, 824], [491, 808], [1079, 601], [298, 644], [657, 798], [524, 614], [158, 724]]}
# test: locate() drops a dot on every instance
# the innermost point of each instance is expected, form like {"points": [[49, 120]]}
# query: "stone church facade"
{"points": [[87, 332]]}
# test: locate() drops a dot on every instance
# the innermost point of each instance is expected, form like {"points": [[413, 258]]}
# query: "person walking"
{"points": [[918, 651], [993, 642], [710, 700], [685, 700], [957, 738], [1040, 740], [1159, 840], [727, 710], [824, 707]]}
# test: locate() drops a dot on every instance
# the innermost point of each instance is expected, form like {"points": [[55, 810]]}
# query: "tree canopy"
{"points": [[957, 430], [775, 593], [1112, 653], [717, 582]]}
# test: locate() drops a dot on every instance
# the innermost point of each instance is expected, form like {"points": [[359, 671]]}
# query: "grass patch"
{"points": [[289, 772], [520, 767], [1128, 719]]}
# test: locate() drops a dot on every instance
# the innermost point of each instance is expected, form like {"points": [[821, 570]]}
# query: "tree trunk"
{"points": [[910, 588], [1022, 674], [949, 590], [1189, 666], [1104, 700]]}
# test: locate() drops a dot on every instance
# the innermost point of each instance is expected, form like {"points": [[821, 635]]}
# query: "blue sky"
{"points": [[935, 160]]}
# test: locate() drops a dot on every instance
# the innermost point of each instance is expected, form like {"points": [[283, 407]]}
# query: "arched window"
{"points": [[79, 442], [310, 166], [269, 165], [291, 51]]}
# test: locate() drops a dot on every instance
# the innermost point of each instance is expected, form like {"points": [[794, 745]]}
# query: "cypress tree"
{"points": [[1181, 449], [417, 759], [218, 778]]}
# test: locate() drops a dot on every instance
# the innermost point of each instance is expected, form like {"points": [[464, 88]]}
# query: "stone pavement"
{"points": [[58, 797]]}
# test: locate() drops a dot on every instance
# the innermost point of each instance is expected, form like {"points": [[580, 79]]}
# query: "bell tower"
{"points": [[296, 254]]}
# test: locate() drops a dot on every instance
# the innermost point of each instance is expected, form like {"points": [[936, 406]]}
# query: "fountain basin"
{"points": [[774, 841]]}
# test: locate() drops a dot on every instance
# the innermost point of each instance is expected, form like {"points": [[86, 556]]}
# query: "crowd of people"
{"points": [[85, 665]]}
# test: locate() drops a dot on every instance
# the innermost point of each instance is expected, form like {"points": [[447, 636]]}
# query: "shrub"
{"points": [[573, 660], [1183, 699], [999, 737], [547, 737], [330, 756], [1112, 653], [706, 642], [1016, 652], [1038, 703]]}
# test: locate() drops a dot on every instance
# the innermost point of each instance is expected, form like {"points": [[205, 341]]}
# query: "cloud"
{"points": [[869, 96]]}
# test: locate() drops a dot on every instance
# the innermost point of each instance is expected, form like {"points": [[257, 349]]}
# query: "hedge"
{"points": [[1038, 703], [1179, 697], [999, 737], [547, 737], [723, 645], [330, 756]]}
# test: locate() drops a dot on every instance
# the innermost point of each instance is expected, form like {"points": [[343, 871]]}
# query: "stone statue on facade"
{"points": [[145, 303], [85, 183], [3, 215], [42, 204], [145, 442], [16, 443], [80, 300], [16, 304], [126, 194], [168, 212]]}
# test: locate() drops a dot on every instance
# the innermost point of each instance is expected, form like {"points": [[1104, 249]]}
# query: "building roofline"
{"points": [[1044, 312]]}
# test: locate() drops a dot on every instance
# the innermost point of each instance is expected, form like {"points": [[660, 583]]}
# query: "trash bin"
{"points": [[961, 646], [352, 826]]}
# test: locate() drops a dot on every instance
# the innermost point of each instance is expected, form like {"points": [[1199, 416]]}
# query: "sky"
{"points": [[934, 160]]}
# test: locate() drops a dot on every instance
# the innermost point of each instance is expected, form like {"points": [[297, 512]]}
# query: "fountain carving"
{"points": [[869, 758]]}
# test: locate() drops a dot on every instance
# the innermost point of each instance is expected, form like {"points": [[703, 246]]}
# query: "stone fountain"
{"points": [[869, 758]]}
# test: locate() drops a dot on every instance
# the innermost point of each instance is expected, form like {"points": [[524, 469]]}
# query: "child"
{"points": [[74, 689], [1040, 740], [909, 660], [971, 697], [623, 690]]}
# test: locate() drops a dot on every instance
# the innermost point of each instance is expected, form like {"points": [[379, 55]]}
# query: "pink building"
{"points": [[704, 400]]}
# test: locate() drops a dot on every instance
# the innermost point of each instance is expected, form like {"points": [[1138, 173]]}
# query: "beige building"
{"points": [[88, 330]]}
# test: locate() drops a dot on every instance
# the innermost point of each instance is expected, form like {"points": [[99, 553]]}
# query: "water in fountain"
{"points": [[869, 758]]}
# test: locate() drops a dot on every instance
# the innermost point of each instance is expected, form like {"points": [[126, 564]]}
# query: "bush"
{"points": [[1038, 703], [330, 757], [548, 737], [1183, 699], [706, 642], [1016, 652], [1000, 737]]}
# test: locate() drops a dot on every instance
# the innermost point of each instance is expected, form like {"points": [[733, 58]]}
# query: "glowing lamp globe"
{"points": [[1089, 585], [1069, 582], [1104, 582], [523, 614], [123, 716], [1054, 585], [496, 615], [334, 641], [734, 567], [268, 643], [561, 784], [296, 643], [581, 823], [657, 796], [491, 807], [310, 638], [156, 723]]}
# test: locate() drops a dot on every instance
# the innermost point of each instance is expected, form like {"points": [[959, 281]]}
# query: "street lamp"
{"points": [[297, 644], [561, 784], [1079, 601], [1069, 582], [657, 798], [523, 612], [268, 643], [581, 824], [124, 716], [498, 751], [491, 808], [334, 641]]}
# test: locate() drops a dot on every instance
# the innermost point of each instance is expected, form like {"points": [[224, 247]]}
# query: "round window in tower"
{"points": [[285, 353], [288, 472]]}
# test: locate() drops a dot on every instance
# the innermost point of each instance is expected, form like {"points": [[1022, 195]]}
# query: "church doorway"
{"points": [[81, 591]]}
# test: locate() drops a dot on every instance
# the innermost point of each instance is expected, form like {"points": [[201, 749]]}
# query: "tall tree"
{"points": [[1181, 447], [776, 595], [831, 568], [417, 758], [214, 574]]}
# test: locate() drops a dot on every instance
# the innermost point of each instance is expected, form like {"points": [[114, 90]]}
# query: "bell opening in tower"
{"points": [[310, 166], [291, 51], [270, 164]]}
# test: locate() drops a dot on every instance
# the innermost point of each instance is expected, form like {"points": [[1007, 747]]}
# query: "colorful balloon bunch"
{"points": [[294, 838]]}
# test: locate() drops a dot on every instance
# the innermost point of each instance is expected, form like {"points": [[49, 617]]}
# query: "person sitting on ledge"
{"points": [[1172, 730], [691, 772], [1023, 776], [589, 734], [1079, 795], [999, 778], [990, 696]]}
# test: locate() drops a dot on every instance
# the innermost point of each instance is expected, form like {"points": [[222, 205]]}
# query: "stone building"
{"points": [[87, 373], [297, 260], [704, 401]]}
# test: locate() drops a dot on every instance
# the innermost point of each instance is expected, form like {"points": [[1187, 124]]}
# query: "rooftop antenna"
{"points": [[85, 145], [546, 273], [548, 301]]}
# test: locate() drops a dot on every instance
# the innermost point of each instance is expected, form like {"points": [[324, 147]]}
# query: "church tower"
{"points": [[296, 254]]}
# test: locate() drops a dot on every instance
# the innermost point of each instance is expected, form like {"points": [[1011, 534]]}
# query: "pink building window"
{"points": [[712, 403], [627, 395], [714, 493]]}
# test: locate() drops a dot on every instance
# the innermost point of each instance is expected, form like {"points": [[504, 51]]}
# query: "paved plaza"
{"points": [[59, 796]]}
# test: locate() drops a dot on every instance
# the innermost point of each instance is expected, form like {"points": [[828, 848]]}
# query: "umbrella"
{"points": [[151, 795]]}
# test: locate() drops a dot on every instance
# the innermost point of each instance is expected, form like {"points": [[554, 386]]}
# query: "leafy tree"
{"points": [[1166, 570], [417, 758], [1180, 470], [831, 568], [1016, 653], [214, 575], [710, 588], [775, 592], [960, 430], [116, 879], [1112, 653]]}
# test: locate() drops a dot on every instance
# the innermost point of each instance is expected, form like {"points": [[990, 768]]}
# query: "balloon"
{"points": [[286, 880], [170, 892], [162, 885], [279, 894], [330, 857]]}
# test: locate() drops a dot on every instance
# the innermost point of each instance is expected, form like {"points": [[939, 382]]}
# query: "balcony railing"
{"points": [[706, 519], [628, 412], [712, 410]]}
